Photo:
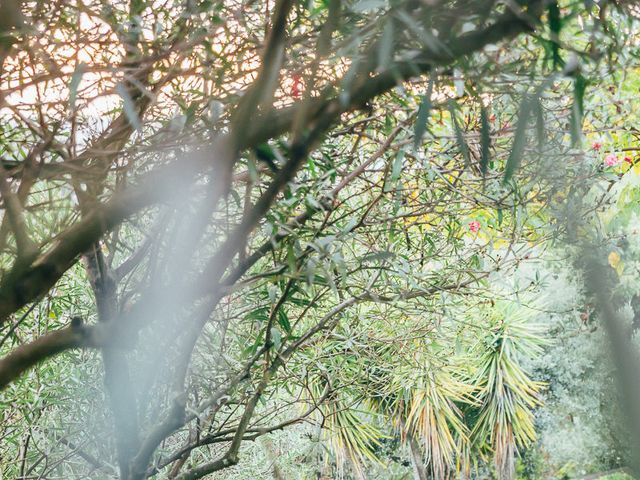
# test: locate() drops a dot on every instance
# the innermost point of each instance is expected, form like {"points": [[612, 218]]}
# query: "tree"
{"points": [[239, 180]]}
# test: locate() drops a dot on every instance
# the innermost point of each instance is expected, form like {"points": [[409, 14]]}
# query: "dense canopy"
{"points": [[323, 239]]}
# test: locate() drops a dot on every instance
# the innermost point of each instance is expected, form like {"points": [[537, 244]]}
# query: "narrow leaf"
{"points": [[253, 170], [385, 49], [519, 139], [462, 143], [423, 116], [577, 111], [396, 170], [555, 25], [76, 78], [129, 106], [429, 40], [485, 137], [276, 337], [283, 320], [540, 127]]}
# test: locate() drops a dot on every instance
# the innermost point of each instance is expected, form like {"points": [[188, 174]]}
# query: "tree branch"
{"points": [[28, 355]]}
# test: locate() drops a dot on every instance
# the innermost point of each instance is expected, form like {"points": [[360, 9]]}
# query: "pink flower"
{"points": [[611, 160], [596, 146], [296, 87], [628, 159], [474, 226]]}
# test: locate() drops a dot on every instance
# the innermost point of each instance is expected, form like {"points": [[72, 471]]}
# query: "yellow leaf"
{"points": [[616, 262]]}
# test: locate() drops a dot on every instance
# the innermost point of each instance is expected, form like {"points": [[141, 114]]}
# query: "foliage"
{"points": [[226, 222]]}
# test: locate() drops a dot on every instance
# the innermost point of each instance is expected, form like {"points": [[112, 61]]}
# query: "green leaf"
{"points": [[555, 25], [236, 198], [291, 258], [485, 137], [276, 338], [385, 49], [375, 256], [422, 119], [283, 320], [577, 111], [347, 81], [458, 82], [397, 165], [396, 170], [272, 292], [253, 170], [428, 39], [540, 127], [519, 139], [260, 314], [264, 152], [205, 6], [368, 5], [462, 143], [76, 78], [129, 106]]}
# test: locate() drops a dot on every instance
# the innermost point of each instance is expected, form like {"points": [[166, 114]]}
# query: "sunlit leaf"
{"points": [[128, 106], [76, 79]]}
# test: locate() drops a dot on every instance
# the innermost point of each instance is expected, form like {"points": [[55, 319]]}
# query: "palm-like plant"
{"points": [[351, 437], [427, 412], [481, 398], [505, 391], [346, 424]]}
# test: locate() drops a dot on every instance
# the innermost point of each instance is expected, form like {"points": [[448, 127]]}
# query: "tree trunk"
{"points": [[419, 472], [116, 369]]}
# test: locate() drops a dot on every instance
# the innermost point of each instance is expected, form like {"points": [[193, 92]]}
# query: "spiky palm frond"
{"points": [[477, 397], [349, 431], [352, 438], [430, 413], [506, 392], [422, 400]]}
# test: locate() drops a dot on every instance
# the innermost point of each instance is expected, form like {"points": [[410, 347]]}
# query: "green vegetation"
{"points": [[319, 240]]}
